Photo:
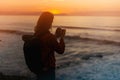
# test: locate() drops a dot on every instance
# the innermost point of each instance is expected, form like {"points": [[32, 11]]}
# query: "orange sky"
{"points": [[60, 6]]}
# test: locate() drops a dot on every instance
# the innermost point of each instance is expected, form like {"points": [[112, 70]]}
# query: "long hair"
{"points": [[44, 23]]}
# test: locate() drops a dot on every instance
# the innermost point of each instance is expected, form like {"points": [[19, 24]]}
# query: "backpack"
{"points": [[32, 53]]}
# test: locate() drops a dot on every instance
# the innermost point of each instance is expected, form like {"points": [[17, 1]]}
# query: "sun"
{"points": [[55, 11]]}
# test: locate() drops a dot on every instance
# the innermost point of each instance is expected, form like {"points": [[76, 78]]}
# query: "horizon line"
{"points": [[97, 13], [57, 15]]}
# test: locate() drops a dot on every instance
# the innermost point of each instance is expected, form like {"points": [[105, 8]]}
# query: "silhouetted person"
{"points": [[50, 45]]}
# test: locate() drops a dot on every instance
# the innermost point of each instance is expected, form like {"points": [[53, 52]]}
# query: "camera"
{"points": [[60, 32]]}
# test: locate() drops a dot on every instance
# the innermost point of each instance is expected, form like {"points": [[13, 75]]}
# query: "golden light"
{"points": [[55, 11]]}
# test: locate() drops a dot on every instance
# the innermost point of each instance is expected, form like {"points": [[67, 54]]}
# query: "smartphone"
{"points": [[58, 32], [63, 32]]}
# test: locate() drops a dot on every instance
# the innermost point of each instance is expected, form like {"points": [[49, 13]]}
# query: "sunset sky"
{"points": [[82, 7]]}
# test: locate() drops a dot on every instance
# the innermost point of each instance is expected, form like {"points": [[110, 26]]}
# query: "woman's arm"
{"points": [[59, 46]]}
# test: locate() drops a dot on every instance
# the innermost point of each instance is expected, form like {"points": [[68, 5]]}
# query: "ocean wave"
{"points": [[101, 41], [68, 37], [89, 28], [18, 24], [15, 32]]}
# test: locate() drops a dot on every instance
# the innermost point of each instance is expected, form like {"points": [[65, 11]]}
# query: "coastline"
{"points": [[8, 77], [80, 56]]}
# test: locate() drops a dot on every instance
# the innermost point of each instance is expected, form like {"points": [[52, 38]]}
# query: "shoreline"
{"points": [[12, 77], [84, 54]]}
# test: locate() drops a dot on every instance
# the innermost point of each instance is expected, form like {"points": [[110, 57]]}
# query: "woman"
{"points": [[49, 45]]}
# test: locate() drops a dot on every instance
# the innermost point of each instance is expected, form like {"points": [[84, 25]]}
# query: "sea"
{"points": [[92, 46]]}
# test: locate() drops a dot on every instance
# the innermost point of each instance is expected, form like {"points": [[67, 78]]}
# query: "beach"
{"points": [[83, 59], [92, 48]]}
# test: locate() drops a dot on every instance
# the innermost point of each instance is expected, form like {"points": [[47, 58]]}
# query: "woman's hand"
{"points": [[60, 33], [63, 33]]}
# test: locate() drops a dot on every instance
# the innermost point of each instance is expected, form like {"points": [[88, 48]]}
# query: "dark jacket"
{"points": [[50, 46]]}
